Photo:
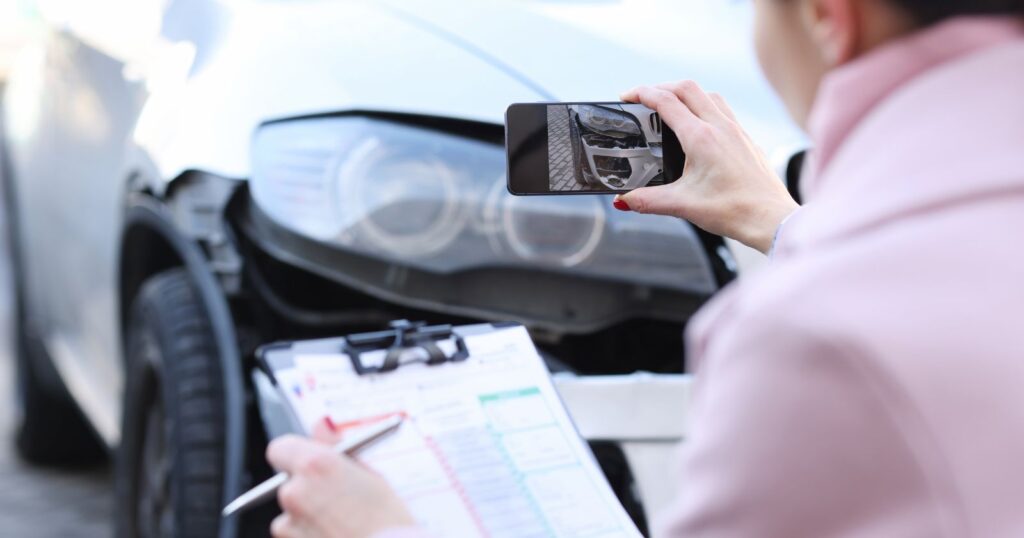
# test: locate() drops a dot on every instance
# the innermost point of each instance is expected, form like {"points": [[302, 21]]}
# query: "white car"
{"points": [[190, 179]]}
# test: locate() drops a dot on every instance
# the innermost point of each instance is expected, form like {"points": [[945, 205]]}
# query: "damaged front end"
{"points": [[622, 145]]}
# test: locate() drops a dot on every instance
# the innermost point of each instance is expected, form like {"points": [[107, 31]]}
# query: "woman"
{"points": [[868, 383]]}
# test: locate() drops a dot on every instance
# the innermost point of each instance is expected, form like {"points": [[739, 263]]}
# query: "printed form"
{"points": [[486, 449]]}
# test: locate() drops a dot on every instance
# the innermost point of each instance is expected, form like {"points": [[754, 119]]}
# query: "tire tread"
{"points": [[191, 388]]}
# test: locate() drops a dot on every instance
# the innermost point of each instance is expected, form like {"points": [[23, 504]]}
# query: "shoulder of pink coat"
{"points": [[952, 135]]}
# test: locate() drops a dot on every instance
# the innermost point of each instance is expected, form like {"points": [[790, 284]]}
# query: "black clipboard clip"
{"points": [[402, 336]]}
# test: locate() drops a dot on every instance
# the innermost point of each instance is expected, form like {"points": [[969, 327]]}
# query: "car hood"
{"points": [[593, 50], [270, 59]]}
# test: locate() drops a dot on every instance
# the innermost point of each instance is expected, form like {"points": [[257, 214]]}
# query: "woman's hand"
{"points": [[330, 495], [727, 187]]}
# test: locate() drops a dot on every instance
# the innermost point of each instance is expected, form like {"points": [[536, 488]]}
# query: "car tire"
{"points": [[170, 465]]}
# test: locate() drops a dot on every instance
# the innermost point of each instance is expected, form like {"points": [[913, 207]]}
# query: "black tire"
{"points": [[170, 465]]}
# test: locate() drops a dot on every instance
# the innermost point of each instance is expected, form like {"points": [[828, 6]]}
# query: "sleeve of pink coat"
{"points": [[794, 436]]}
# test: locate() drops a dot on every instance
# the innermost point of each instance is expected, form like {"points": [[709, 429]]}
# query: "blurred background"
{"points": [[19, 21], [37, 501]]}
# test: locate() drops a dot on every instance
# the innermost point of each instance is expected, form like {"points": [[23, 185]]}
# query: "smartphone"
{"points": [[588, 148]]}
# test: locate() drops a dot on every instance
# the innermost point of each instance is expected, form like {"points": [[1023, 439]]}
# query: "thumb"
{"points": [[325, 431], [660, 200]]}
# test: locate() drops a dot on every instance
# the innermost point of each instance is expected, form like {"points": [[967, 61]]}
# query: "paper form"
{"points": [[486, 449]]}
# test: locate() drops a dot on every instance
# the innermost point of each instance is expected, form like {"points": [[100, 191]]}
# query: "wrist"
{"points": [[765, 223]]}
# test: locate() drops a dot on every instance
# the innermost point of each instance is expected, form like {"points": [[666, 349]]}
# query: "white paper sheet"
{"points": [[487, 448]]}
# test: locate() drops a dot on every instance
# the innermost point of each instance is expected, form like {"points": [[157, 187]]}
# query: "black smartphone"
{"points": [[588, 148]]}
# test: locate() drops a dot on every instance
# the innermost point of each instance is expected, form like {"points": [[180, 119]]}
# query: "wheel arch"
{"points": [[151, 243]]}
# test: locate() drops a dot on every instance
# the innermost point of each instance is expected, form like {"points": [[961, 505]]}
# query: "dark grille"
{"points": [[656, 123], [613, 166]]}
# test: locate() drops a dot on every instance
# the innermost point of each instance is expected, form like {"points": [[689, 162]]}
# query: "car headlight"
{"points": [[608, 122], [437, 202]]}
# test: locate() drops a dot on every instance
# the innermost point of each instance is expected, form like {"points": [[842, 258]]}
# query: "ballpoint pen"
{"points": [[349, 447]]}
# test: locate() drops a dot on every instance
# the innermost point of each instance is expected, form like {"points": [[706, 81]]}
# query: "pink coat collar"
{"points": [[848, 94], [952, 135]]}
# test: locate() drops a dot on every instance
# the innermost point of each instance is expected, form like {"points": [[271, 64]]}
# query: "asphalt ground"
{"points": [[39, 502]]}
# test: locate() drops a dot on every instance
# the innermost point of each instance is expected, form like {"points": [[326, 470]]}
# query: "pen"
{"points": [[349, 447]]}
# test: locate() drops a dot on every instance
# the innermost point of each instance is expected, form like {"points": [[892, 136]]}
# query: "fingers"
{"points": [[327, 491], [660, 200], [706, 106], [293, 454], [281, 452], [694, 98], [673, 111], [630, 96], [302, 496], [293, 497], [326, 432], [282, 527], [288, 526], [723, 106]]}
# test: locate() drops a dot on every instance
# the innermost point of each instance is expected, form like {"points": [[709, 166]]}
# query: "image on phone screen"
{"points": [[604, 147], [588, 148]]}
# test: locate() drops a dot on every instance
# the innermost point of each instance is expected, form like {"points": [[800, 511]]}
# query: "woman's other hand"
{"points": [[727, 187], [329, 495]]}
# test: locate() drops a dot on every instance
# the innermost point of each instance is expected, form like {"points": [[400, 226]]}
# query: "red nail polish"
{"points": [[621, 205], [330, 425]]}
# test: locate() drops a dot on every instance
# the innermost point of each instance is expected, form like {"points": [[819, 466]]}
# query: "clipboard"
{"points": [[486, 447]]}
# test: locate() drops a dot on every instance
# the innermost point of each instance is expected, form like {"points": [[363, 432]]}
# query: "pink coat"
{"points": [[870, 382]]}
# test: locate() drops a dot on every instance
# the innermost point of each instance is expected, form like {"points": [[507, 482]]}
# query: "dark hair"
{"points": [[932, 11]]}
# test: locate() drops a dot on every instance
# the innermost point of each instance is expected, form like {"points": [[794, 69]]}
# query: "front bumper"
{"points": [[644, 166]]}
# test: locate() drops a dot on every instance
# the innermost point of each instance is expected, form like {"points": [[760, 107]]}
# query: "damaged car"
{"points": [[617, 147]]}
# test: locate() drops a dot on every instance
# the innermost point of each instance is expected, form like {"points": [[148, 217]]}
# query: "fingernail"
{"points": [[330, 425], [621, 205]]}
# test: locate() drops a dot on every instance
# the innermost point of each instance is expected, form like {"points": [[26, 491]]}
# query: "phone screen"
{"points": [[588, 148]]}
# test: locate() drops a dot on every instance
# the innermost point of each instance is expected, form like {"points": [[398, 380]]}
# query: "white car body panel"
{"points": [[511, 51], [207, 122], [646, 414]]}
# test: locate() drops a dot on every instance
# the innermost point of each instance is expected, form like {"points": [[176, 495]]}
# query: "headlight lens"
{"points": [[608, 122], [437, 202]]}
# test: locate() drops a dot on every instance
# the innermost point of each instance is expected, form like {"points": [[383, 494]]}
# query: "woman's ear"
{"points": [[836, 28]]}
